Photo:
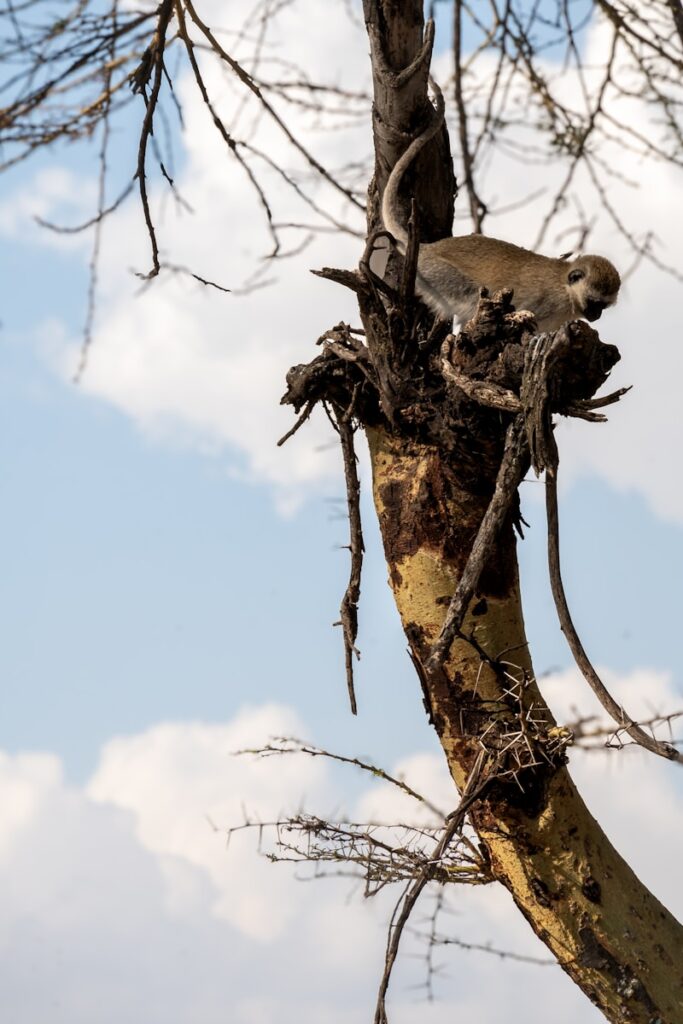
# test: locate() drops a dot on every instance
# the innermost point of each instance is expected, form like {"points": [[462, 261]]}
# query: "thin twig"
{"points": [[152, 59], [477, 206], [289, 745], [249, 82], [99, 221], [222, 130]]}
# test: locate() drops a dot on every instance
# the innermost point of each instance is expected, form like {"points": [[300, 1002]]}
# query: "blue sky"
{"points": [[169, 580]]}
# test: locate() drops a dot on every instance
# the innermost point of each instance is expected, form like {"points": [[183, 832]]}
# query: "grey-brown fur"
{"points": [[452, 270]]}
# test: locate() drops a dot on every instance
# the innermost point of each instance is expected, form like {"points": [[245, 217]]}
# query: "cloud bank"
{"points": [[121, 901]]}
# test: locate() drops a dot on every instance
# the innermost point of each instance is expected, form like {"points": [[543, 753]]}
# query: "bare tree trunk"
{"points": [[615, 940]]}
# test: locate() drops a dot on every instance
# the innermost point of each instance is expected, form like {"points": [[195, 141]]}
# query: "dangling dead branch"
{"points": [[349, 606]]}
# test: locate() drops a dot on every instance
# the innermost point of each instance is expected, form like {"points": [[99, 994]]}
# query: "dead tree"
{"points": [[452, 427], [452, 424]]}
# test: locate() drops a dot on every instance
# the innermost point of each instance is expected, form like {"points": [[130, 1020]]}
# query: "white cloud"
{"points": [[121, 904], [27, 781], [50, 189], [184, 787]]}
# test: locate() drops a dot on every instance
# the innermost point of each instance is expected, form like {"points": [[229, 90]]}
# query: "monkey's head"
{"points": [[593, 285]]}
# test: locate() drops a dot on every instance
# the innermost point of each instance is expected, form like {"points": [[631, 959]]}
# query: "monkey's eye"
{"points": [[575, 275]]}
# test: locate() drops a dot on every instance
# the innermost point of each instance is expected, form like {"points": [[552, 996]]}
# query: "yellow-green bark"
{"points": [[611, 935]]}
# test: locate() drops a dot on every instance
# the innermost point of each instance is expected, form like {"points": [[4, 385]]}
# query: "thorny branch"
{"points": [[434, 939], [385, 854], [380, 854], [288, 745], [590, 733], [414, 855]]}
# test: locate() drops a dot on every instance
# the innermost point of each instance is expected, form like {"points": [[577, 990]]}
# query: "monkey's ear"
{"points": [[565, 255], [575, 275]]}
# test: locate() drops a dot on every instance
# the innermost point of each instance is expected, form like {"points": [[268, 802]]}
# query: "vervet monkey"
{"points": [[451, 272]]}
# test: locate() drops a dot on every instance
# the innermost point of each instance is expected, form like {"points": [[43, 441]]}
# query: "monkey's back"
{"points": [[492, 263], [458, 267]]}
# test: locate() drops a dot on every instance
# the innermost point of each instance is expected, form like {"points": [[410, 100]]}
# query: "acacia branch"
{"points": [[619, 716]]}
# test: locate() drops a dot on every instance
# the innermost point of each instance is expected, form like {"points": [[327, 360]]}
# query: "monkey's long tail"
{"points": [[391, 215]]}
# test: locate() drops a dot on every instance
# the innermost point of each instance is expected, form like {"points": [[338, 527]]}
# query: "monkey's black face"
{"points": [[593, 309]]}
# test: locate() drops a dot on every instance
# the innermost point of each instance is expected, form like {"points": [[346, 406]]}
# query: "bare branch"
{"points": [[349, 605], [247, 80], [623, 721]]}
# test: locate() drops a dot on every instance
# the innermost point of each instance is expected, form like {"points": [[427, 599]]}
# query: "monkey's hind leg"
{"points": [[445, 289]]}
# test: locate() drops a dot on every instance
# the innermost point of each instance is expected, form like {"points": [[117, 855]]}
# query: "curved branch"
{"points": [[623, 721]]}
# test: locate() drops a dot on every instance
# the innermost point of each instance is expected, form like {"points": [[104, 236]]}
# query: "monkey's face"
{"points": [[593, 308], [593, 286]]}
